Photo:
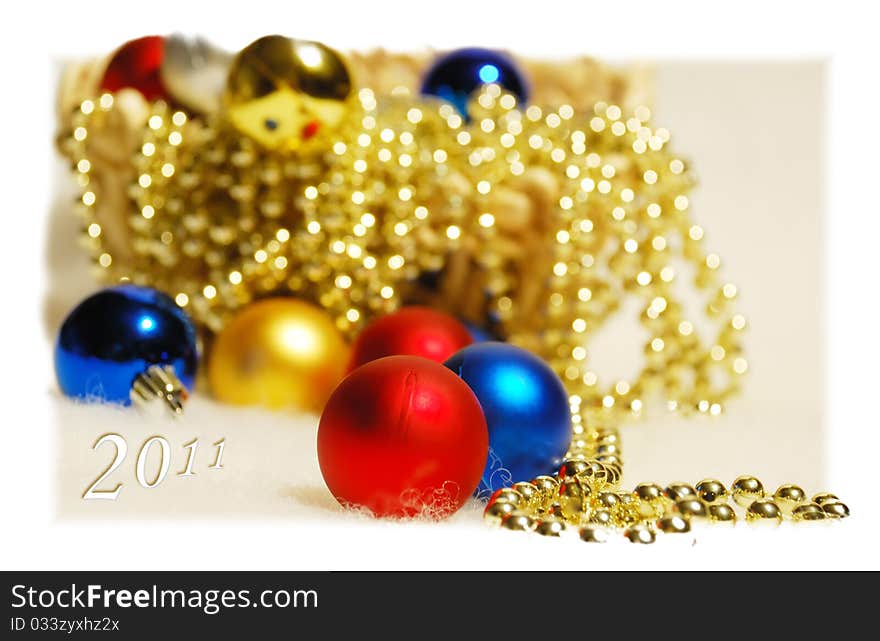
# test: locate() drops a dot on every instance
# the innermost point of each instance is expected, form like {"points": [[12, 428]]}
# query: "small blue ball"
{"points": [[526, 409], [118, 333], [455, 76]]}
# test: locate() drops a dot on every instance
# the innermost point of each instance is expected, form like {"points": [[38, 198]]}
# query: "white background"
{"points": [[622, 31]]}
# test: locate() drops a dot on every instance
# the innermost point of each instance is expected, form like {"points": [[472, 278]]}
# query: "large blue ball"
{"points": [[455, 76], [118, 333], [526, 408]]}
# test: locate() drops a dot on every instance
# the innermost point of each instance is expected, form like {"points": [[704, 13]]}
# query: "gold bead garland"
{"points": [[407, 187], [586, 496]]}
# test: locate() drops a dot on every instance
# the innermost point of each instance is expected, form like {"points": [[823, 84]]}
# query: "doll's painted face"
{"points": [[285, 93]]}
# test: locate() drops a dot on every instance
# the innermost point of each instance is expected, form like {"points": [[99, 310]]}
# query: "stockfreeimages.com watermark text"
{"points": [[209, 601]]}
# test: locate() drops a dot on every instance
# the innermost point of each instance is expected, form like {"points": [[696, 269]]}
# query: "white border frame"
{"points": [[42, 32]]}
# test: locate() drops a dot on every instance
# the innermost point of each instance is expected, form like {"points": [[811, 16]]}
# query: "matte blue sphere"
{"points": [[116, 334], [526, 408], [455, 76]]}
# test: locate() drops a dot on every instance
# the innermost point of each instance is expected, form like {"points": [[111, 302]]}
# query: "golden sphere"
{"points": [[283, 92], [835, 510], [519, 522], [746, 490], [546, 484], [648, 492], [711, 491], [508, 495], [691, 507], [722, 513], [808, 512], [824, 497], [606, 500], [496, 512], [572, 467], [593, 535], [763, 511], [279, 353], [531, 496], [788, 497], [673, 525], [550, 527], [679, 491], [640, 534]]}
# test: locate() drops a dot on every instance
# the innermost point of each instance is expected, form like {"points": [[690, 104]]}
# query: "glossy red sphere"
{"points": [[136, 65], [415, 331], [403, 436]]}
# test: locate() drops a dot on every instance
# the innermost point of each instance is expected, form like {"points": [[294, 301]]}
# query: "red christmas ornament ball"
{"points": [[137, 65], [416, 331], [403, 436]]}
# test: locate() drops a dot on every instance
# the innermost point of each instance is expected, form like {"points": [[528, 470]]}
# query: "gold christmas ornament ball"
{"points": [[283, 92], [279, 353]]}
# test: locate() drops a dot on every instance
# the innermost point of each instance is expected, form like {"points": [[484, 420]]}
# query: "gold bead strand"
{"points": [[91, 114]]}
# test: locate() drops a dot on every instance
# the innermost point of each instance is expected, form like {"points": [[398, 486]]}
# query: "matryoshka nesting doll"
{"points": [[284, 93]]}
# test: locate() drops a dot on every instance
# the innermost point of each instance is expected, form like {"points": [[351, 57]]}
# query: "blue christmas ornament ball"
{"points": [[526, 409], [118, 333], [456, 75]]}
